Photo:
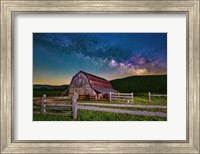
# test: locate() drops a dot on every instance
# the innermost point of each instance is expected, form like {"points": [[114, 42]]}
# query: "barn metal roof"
{"points": [[97, 82], [105, 90]]}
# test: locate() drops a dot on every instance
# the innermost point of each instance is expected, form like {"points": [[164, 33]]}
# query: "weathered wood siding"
{"points": [[81, 86]]}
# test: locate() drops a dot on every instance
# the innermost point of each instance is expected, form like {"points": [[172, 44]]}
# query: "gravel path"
{"points": [[145, 113], [125, 105]]}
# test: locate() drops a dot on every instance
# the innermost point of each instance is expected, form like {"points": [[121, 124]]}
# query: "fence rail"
{"points": [[86, 97], [123, 94], [158, 95], [56, 105], [155, 95], [128, 97]]}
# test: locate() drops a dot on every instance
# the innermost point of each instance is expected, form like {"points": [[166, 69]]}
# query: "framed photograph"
{"points": [[118, 65], [99, 76]]}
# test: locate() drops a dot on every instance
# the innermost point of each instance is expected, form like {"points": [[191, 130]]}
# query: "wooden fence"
{"points": [[155, 95], [87, 97], [124, 97], [52, 106]]}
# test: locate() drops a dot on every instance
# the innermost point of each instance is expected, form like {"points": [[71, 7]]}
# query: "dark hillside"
{"points": [[141, 84], [49, 90], [38, 87]]}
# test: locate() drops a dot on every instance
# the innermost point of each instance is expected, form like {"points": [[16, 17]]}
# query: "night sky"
{"points": [[59, 56]]}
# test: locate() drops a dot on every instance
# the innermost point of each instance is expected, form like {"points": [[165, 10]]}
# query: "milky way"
{"points": [[58, 56]]}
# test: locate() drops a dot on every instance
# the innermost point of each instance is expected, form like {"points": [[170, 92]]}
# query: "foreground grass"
{"points": [[84, 115]]}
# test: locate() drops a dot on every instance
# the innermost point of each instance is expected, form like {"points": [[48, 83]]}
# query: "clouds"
{"points": [[138, 65], [113, 63]]}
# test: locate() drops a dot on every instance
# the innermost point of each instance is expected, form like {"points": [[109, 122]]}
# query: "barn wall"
{"points": [[81, 86]]}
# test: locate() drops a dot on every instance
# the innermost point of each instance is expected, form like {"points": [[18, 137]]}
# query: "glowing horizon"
{"points": [[59, 83]]}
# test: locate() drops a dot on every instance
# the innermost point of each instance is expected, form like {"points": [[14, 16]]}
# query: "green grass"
{"points": [[40, 117], [143, 100], [84, 115]]}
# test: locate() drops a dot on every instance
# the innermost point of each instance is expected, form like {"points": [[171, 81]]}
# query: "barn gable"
{"points": [[84, 83], [80, 80], [80, 84]]}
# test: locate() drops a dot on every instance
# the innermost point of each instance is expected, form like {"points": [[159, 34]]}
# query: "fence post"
{"points": [[74, 106], [44, 103], [110, 96], [149, 94], [132, 97]]}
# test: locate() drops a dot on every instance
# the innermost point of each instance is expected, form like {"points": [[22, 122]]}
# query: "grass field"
{"points": [[84, 115]]}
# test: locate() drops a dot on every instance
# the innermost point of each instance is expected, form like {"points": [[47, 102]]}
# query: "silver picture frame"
{"points": [[11, 7]]}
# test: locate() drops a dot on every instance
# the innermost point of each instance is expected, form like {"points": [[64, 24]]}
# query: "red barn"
{"points": [[88, 85]]}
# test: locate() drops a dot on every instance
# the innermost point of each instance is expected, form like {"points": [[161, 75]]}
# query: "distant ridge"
{"points": [[49, 87], [141, 84]]}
